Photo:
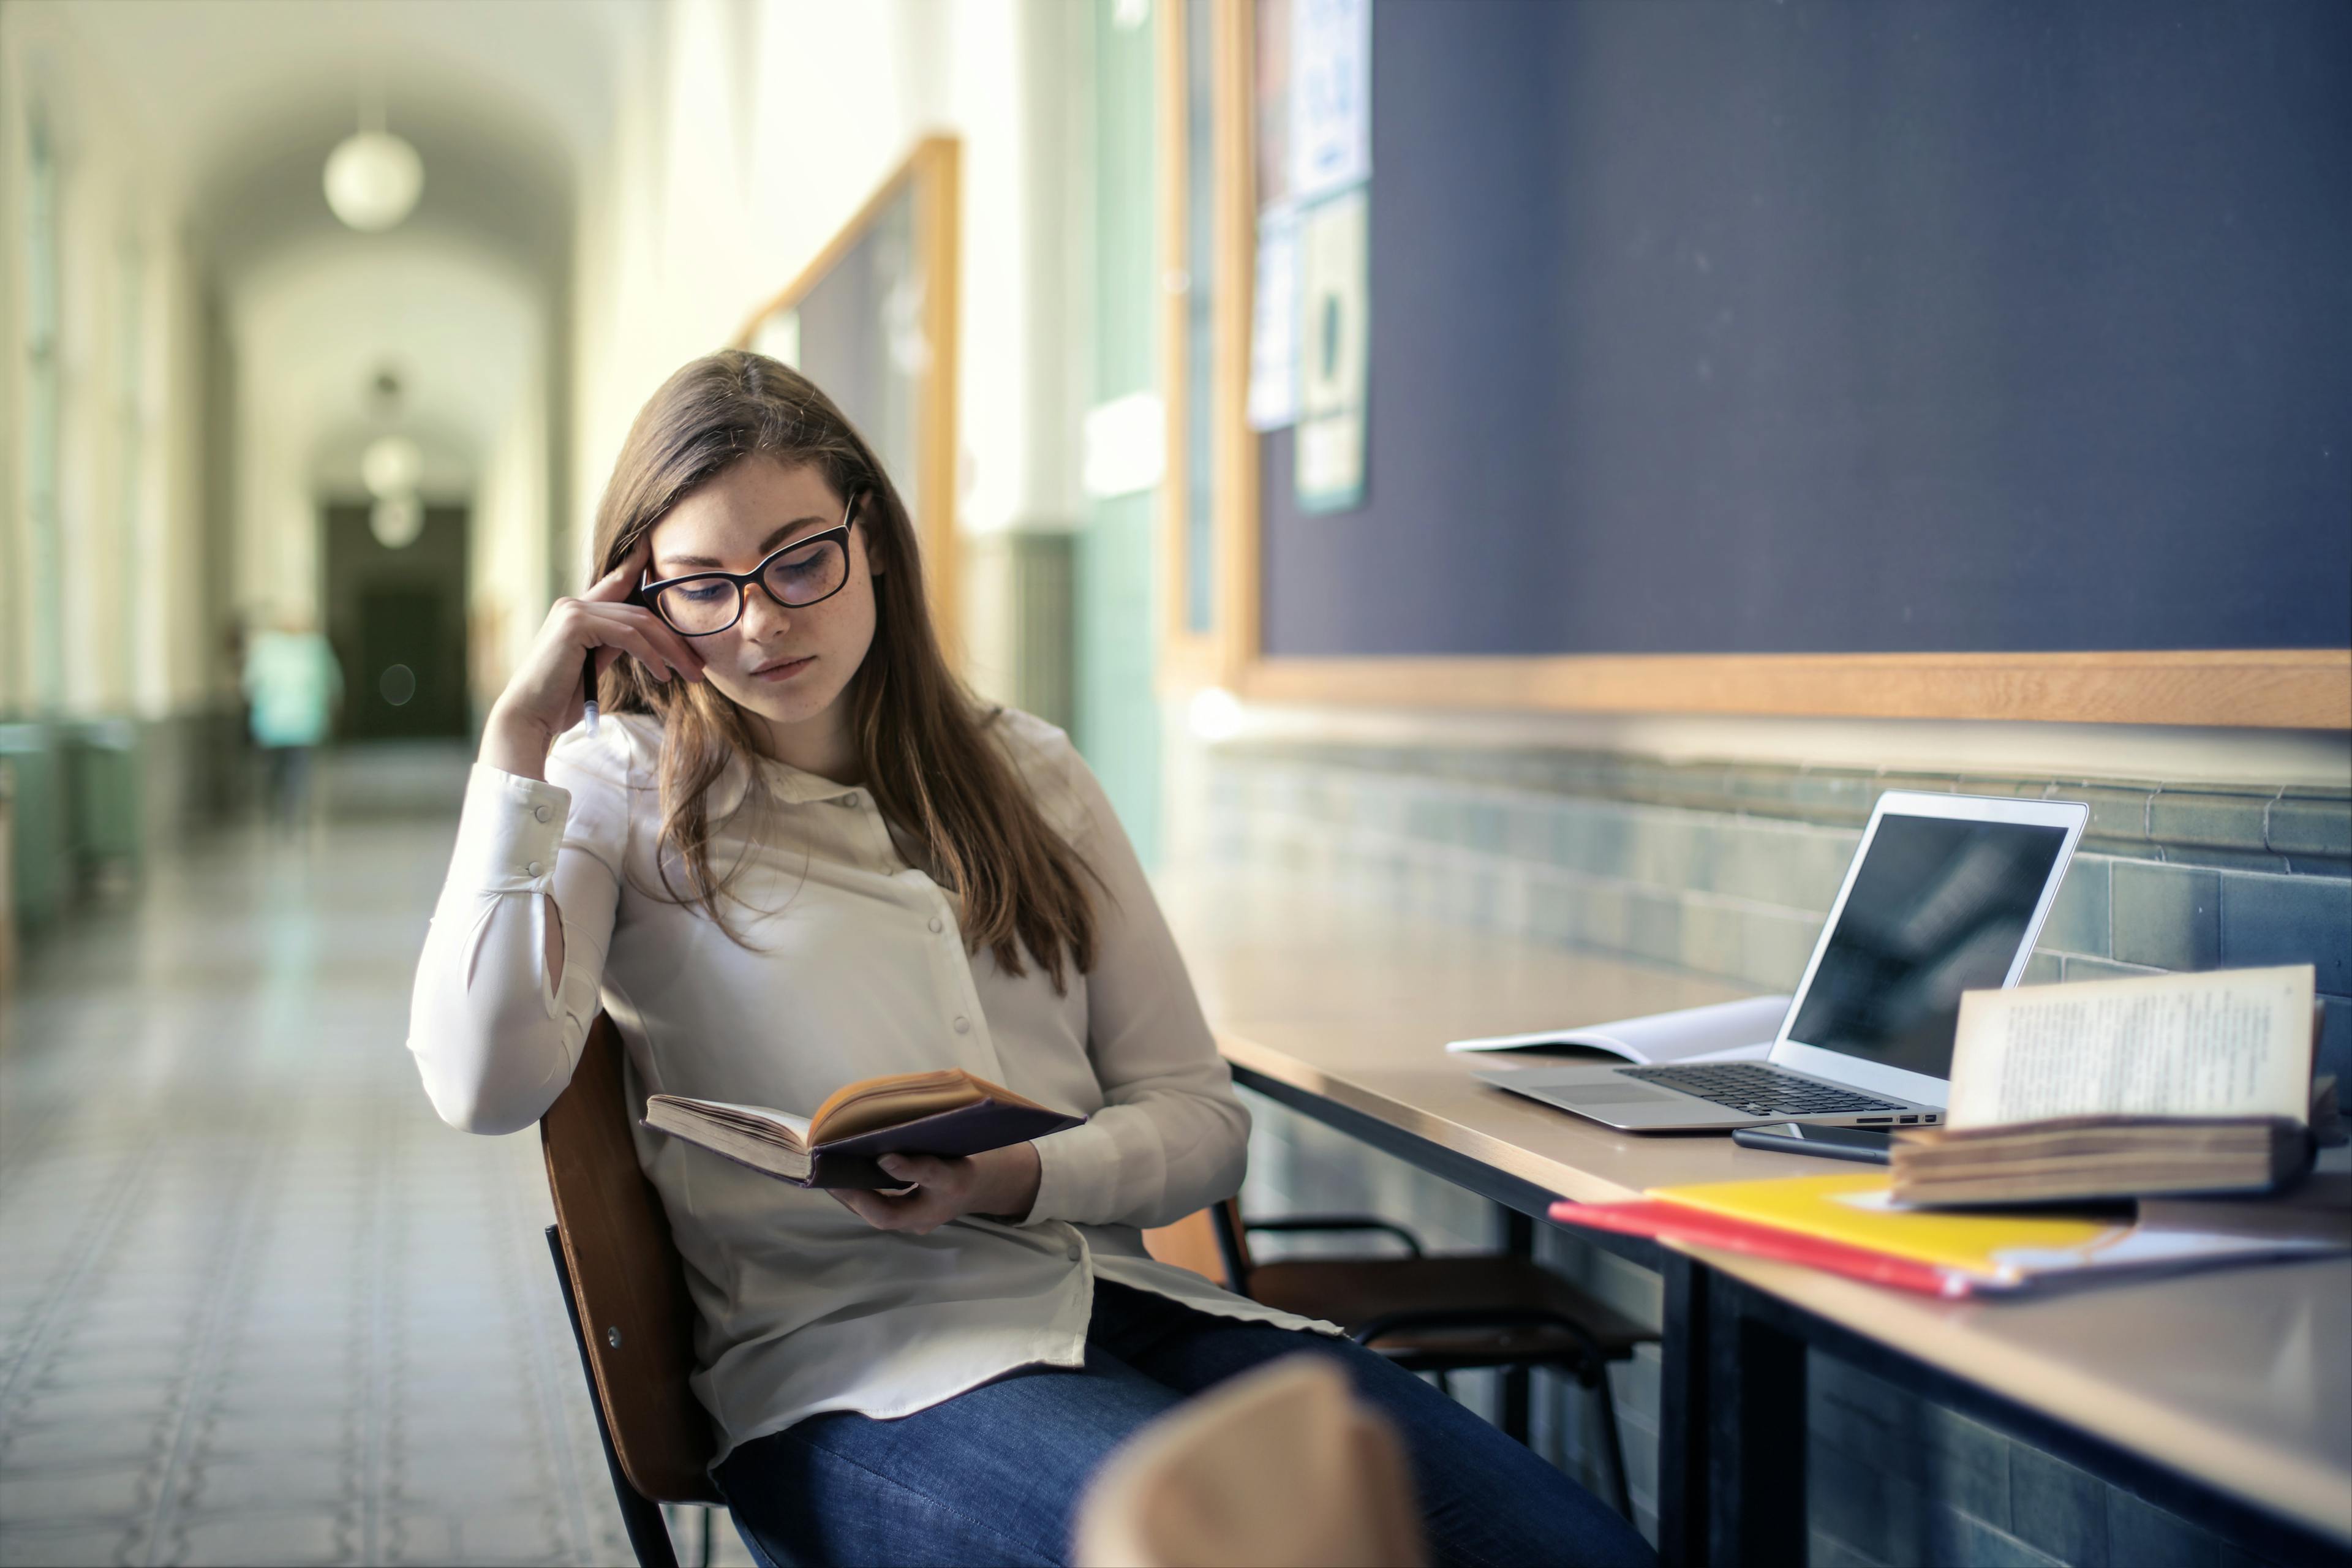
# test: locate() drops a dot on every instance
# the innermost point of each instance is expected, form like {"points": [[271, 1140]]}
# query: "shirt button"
{"points": [[533, 868], [853, 798], [938, 924], [963, 1025], [541, 812]]}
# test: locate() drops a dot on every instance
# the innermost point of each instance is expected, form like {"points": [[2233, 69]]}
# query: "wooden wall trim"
{"points": [[1233, 458], [2271, 687], [937, 162], [935, 167], [828, 257]]}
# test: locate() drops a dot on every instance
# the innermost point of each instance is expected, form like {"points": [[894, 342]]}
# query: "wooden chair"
{"points": [[1426, 1314], [624, 1289]]}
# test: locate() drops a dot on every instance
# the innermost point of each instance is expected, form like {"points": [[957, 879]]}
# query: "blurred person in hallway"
{"points": [[798, 852], [292, 685]]}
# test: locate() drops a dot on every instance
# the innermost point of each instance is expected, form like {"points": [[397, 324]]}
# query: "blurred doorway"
{"points": [[398, 620]]}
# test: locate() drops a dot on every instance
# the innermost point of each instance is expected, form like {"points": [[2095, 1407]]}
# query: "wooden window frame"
{"points": [[2307, 688], [934, 170]]}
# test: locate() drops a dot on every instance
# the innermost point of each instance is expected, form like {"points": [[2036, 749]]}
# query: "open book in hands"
{"points": [[945, 1113]]}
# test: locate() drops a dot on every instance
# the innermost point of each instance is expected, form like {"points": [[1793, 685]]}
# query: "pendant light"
{"points": [[374, 177]]}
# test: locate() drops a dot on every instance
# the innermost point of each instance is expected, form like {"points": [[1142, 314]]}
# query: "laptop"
{"points": [[1947, 893]]}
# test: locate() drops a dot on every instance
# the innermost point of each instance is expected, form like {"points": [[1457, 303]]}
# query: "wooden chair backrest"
{"points": [[627, 1281], [1193, 1243], [1190, 1243]]}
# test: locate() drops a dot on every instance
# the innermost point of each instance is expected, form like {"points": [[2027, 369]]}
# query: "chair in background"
{"points": [[624, 1287], [1281, 1468], [1437, 1315]]}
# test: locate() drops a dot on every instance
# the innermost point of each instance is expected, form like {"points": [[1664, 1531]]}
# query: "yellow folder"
{"points": [[1854, 1209]]}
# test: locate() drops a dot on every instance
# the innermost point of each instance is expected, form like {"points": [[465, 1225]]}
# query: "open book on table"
{"points": [[1720, 1032], [2166, 1084], [946, 1113]]}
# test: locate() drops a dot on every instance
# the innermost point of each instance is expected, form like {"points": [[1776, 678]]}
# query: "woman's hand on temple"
{"points": [[544, 698], [999, 1184]]}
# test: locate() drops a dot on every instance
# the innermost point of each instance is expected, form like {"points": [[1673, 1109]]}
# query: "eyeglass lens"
{"points": [[795, 577]]}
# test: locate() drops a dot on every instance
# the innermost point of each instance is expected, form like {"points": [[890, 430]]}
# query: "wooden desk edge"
{"points": [[1562, 1181]]}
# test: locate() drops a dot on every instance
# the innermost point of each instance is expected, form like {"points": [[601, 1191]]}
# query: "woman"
{"points": [[797, 854]]}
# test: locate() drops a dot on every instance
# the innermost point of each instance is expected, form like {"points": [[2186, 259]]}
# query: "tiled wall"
{"points": [[1727, 869]]}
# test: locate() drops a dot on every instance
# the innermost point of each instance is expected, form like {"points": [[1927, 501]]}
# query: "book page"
{"points": [[1725, 1031], [877, 1102], [2228, 1043], [783, 1121], [757, 1120]]}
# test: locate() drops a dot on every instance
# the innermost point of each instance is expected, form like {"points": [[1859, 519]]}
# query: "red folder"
{"points": [[1678, 1222]]}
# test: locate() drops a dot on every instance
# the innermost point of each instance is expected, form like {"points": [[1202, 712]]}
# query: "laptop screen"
{"points": [[1941, 906]]}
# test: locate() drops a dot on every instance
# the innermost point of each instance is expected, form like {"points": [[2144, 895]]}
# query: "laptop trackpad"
{"points": [[1612, 1094]]}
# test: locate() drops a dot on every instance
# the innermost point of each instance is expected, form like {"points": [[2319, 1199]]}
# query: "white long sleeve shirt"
{"points": [[852, 964]]}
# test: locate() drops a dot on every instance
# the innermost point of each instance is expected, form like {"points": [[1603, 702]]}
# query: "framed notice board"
{"points": [[872, 319], [1903, 360]]}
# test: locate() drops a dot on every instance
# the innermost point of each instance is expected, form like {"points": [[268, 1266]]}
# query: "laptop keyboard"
{"points": [[1758, 1090]]}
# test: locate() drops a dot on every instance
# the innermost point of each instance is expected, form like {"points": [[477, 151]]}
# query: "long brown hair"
{"points": [[936, 773]]}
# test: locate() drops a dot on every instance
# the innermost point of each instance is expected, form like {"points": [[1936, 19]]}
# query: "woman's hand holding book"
{"points": [[999, 1184]]}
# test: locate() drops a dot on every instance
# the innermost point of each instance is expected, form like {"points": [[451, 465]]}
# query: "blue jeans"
{"points": [[993, 1475]]}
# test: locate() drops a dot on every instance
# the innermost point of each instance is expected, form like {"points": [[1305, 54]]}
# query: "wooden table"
{"points": [[2223, 1397]]}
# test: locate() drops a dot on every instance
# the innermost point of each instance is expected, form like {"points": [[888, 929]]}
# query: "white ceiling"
{"points": [[220, 84]]}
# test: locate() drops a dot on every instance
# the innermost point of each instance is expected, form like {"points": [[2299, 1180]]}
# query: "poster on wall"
{"points": [[1274, 325], [1310, 327], [1330, 129], [1334, 341], [1273, 309]]}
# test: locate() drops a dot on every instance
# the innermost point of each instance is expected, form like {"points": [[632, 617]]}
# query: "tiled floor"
{"points": [[257, 1305]]}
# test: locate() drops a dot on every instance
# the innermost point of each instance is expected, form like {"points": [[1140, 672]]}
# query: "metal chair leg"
{"points": [[640, 1515], [1519, 1386], [1611, 1442]]}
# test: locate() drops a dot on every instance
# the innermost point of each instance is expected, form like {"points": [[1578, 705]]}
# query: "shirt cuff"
{"points": [[508, 838], [1077, 1170]]}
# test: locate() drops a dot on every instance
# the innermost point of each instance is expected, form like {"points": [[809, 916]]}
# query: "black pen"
{"points": [[588, 685]]}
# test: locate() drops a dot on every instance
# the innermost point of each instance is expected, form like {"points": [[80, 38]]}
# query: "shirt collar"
{"points": [[784, 782]]}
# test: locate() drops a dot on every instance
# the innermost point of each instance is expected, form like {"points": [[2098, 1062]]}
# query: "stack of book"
{"points": [[2129, 1094], [2063, 1158], [2172, 1084]]}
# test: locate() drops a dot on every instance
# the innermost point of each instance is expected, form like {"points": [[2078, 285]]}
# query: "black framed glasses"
{"points": [[809, 571]]}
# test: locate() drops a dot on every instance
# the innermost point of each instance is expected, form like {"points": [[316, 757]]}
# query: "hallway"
{"points": [[259, 1304]]}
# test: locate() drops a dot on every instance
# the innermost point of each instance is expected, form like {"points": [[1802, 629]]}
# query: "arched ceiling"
{"points": [[242, 99]]}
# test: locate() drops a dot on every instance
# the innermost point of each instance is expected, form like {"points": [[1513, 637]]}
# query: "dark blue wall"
{"points": [[1831, 326]]}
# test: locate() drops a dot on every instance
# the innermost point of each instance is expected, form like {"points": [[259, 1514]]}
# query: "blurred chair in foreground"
{"points": [[1281, 1468]]}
